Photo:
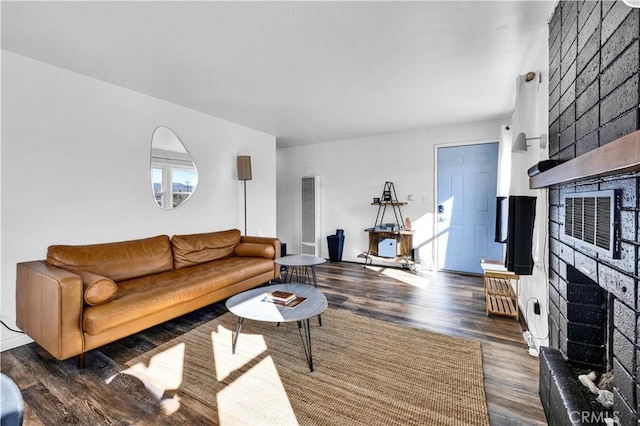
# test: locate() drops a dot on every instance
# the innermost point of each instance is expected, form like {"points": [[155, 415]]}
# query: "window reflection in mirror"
{"points": [[174, 177]]}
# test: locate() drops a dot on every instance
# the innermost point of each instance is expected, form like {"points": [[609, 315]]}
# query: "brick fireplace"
{"points": [[594, 92]]}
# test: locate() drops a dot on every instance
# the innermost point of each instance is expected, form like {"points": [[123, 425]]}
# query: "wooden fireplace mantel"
{"points": [[617, 157]]}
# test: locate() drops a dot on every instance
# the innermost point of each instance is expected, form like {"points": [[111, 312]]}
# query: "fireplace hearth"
{"points": [[564, 399]]}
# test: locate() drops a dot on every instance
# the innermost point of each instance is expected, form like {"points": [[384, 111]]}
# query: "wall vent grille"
{"points": [[310, 215], [592, 220]]}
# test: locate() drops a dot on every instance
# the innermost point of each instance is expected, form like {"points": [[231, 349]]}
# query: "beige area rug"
{"points": [[366, 372]]}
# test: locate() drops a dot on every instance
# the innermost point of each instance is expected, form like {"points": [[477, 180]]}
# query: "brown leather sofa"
{"points": [[83, 297]]}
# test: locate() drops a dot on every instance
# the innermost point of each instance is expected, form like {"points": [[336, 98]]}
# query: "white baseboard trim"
{"points": [[14, 341]]}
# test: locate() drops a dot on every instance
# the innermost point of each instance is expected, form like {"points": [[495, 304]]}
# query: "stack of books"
{"points": [[281, 297], [284, 298]]}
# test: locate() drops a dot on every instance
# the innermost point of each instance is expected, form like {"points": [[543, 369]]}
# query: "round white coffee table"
{"points": [[252, 304], [299, 265]]}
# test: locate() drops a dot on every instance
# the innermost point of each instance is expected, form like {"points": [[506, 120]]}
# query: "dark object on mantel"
{"points": [[542, 166]]}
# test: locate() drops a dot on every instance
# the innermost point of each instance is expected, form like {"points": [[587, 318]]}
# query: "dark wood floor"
{"points": [[58, 393]]}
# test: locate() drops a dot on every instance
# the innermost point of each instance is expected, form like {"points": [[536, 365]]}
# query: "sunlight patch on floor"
{"points": [[408, 277], [249, 346], [374, 268], [256, 397]]}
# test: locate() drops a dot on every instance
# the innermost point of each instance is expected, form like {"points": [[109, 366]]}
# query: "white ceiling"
{"points": [[303, 71]]}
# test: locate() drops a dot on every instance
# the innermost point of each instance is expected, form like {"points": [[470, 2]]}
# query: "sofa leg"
{"points": [[81, 361]]}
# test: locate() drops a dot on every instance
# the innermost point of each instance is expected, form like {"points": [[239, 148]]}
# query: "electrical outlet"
{"points": [[536, 307]]}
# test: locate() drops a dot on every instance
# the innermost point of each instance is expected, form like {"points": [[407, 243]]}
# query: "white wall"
{"points": [[353, 172], [532, 117], [75, 168]]}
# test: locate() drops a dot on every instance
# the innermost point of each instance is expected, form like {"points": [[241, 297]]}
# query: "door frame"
{"points": [[437, 238]]}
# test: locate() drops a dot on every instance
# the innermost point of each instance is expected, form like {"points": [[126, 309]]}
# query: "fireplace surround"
{"points": [[594, 93]]}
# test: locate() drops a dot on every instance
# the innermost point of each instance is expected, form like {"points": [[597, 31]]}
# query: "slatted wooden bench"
{"points": [[501, 296]]}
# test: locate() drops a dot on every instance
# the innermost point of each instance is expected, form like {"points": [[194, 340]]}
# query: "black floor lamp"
{"points": [[244, 174]]}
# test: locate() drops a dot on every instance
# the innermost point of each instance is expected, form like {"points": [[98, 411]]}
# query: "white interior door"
{"points": [[466, 209]]}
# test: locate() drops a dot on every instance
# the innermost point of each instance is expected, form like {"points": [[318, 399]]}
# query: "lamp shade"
{"points": [[520, 143], [244, 167]]}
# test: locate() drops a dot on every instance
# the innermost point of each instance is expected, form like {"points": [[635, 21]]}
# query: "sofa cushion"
{"points": [[194, 249], [255, 250], [118, 261], [146, 296], [97, 289]]}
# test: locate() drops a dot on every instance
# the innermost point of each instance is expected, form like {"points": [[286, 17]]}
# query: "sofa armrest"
{"points": [[275, 242], [49, 303]]}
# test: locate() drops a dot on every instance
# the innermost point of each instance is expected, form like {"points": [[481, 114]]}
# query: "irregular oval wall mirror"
{"points": [[174, 177]]}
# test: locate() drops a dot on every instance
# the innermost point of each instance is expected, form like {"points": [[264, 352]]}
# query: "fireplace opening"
{"points": [[602, 381]]}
